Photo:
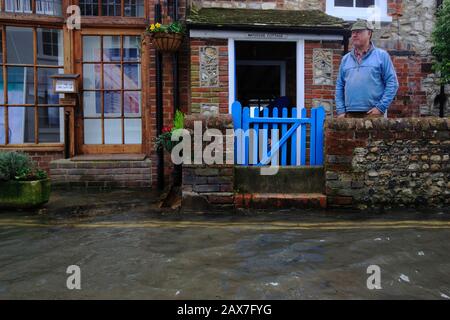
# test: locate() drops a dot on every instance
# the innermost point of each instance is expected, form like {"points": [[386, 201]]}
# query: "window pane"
{"points": [[112, 76], [111, 7], [131, 48], [1, 46], [132, 76], [46, 94], [111, 48], [19, 44], [2, 125], [50, 7], [133, 131], [364, 3], [132, 103], [91, 48], [92, 131], [51, 123], [113, 131], [21, 125], [20, 85], [89, 7], [92, 104], [50, 47], [343, 3], [18, 6], [2, 93], [112, 104], [91, 76], [134, 8]]}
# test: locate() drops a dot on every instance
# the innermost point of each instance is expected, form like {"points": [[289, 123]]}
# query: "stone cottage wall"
{"points": [[209, 76], [387, 162]]}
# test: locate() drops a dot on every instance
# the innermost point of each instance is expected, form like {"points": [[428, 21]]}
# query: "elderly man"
{"points": [[367, 82]]}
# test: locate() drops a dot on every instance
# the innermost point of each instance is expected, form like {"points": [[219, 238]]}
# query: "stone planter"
{"points": [[167, 42], [24, 194]]}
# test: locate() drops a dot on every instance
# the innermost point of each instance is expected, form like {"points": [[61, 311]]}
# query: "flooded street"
{"points": [[136, 253]]}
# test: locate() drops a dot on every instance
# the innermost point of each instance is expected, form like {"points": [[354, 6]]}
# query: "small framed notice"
{"points": [[65, 83]]}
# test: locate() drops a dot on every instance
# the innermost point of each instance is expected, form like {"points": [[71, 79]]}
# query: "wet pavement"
{"points": [[128, 248]]}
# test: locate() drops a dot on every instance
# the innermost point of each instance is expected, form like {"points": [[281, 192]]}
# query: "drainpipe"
{"points": [[175, 64], [159, 105], [177, 175]]}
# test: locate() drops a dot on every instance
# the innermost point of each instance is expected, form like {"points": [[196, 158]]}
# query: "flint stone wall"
{"points": [[387, 162]]}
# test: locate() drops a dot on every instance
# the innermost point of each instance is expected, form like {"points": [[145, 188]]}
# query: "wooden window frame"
{"points": [[101, 3], [103, 147], [36, 105], [33, 8]]}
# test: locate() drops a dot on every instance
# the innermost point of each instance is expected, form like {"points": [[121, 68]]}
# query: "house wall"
{"points": [[209, 61], [407, 38], [44, 154]]}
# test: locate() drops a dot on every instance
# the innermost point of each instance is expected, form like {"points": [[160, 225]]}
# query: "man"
{"points": [[367, 82]]}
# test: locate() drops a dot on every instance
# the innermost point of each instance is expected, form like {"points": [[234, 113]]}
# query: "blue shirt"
{"points": [[371, 83]]}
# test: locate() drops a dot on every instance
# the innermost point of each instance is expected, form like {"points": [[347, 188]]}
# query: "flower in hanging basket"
{"points": [[166, 38]]}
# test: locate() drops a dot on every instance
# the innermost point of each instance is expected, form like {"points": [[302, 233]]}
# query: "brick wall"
{"points": [[42, 157], [388, 162], [209, 186], [100, 174], [217, 95]]}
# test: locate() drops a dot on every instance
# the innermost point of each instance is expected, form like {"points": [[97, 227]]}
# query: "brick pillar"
{"points": [[209, 185]]}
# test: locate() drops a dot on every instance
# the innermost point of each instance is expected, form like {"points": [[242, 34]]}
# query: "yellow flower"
{"points": [[158, 25], [152, 27]]}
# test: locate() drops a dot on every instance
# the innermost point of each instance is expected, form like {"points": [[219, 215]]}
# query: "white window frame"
{"points": [[352, 13]]}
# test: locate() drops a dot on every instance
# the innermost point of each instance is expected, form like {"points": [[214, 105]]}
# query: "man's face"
{"points": [[360, 38]]}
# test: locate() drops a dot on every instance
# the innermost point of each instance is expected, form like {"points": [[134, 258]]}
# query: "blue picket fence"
{"points": [[277, 136]]}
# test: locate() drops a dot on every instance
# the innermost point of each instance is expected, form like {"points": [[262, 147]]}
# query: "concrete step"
{"points": [[248, 179], [101, 174], [280, 200]]}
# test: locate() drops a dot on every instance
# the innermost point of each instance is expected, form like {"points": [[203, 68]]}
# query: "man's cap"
{"points": [[362, 25]]}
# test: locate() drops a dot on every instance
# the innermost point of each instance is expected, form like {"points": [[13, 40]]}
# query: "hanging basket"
{"points": [[167, 42]]}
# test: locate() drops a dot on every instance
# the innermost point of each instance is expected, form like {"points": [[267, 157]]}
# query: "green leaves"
{"points": [[174, 27], [164, 140], [441, 40], [18, 166]]}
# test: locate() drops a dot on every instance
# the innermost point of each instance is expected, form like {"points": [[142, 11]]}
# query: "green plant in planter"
{"points": [[164, 140], [18, 166], [22, 183]]}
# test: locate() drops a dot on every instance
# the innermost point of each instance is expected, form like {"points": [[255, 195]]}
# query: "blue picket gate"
{"points": [[277, 136]]}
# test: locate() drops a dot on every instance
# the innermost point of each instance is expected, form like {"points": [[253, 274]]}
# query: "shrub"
{"points": [[441, 42], [18, 166]]}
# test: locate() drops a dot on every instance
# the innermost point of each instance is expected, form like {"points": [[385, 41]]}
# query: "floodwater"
{"points": [[127, 249]]}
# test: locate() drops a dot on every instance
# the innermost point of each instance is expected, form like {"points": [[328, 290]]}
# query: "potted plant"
{"points": [[166, 38], [164, 141], [22, 184]]}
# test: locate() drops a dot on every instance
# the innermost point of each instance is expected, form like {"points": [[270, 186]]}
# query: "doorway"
{"points": [[111, 95], [266, 73]]}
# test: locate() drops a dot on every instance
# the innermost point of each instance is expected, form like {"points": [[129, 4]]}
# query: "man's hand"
{"points": [[342, 115], [374, 112]]}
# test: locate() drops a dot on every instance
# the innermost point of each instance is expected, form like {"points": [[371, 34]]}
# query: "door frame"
{"points": [[80, 147]]}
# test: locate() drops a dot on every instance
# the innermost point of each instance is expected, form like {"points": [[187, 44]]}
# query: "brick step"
{"points": [[68, 173], [280, 200]]}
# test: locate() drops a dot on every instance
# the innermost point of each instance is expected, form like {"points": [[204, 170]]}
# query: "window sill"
{"points": [[353, 18]]}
